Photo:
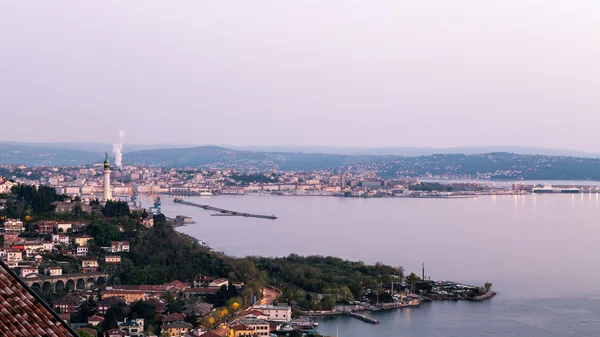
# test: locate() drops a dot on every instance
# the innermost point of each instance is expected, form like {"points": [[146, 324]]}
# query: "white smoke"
{"points": [[117, 148]]}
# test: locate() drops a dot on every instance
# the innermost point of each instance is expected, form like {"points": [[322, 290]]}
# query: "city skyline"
{"points": [[429, 74]]}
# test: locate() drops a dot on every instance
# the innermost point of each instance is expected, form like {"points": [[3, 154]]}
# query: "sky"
{"points": [[322, 73]]}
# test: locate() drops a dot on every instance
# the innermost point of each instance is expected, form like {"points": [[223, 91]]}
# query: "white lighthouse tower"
{"points": [[106, 182]]}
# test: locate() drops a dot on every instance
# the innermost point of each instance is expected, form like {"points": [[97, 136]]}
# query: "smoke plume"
{"points": [[117, 148]]}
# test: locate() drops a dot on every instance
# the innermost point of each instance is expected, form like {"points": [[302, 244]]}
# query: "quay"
{"points": [[397, 305], [361, 317], [224, 211]]}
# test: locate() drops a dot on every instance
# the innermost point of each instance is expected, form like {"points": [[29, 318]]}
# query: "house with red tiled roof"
{"points": [[107, 303], [119, 246], [17, 301], [172, 284], [241, 330], [198, 309], [67, 304], [182, 286], [95, 320], [175, 329], [158, 305], [202, 281], [255, 314], [116, 333], [175, 317], [149, 288], [112, 259], [201, 333], [130, 296], [199, 292], [218, 283]]}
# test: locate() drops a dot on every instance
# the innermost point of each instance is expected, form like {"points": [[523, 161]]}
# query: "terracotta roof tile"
{"points": [[23, 313]]}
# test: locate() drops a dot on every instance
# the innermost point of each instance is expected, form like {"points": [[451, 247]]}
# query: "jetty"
{"points": [[225, 212], [361, 317]]}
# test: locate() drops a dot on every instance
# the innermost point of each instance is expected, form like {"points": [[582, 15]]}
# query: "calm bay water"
{"points": [[541, 252]]}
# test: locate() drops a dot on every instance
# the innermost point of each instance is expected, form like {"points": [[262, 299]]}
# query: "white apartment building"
{"points": [[276, 313], [12, 226]]}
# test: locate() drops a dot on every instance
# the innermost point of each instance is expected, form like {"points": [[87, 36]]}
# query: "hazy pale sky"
{"points": [[357, 73]]}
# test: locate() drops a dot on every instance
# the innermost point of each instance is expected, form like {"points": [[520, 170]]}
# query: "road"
{"points": [[268, 296], [223, 330]]}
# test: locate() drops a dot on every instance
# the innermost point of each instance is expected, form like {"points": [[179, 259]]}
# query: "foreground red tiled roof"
{"points": [[23, 313]]}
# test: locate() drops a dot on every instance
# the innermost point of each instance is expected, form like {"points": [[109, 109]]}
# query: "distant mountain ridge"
{"points": [[337, 150], [420, 151], [422, 162]]}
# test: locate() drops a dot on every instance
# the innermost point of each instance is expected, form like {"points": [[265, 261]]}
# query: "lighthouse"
{"points": [[106, 182]]}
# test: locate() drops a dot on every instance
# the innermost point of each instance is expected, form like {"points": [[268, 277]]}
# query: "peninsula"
{"points": [[104, 264]]}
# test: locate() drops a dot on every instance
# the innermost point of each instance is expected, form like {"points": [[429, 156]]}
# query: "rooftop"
{"points": [[177, 325], [23, 313]]}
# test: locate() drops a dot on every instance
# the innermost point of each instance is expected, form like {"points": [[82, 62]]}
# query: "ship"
{"points": [[550, 189]]}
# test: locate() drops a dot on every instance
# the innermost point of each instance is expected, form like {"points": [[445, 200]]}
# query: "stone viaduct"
{"points": [[79, 281]]}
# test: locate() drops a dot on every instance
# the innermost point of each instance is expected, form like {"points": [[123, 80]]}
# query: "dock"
{"points": [[225, 212], [361, 317]]}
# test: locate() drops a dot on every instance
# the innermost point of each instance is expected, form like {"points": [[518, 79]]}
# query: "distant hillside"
{"points": [[220, 156], [499, 165], [493, 165], [419, 151], [95, 147], [47, 156]]}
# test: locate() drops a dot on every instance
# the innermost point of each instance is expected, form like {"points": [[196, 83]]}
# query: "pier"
{"points": [[225, 212], [361, 317]]}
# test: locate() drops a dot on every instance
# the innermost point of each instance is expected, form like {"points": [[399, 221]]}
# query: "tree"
{"points": [[143, 310], [116, 209], [84, 334], [412, 279], [328, 303], [86, 309], [234, 304], [77, 209], [247, 295], [346, 294], [232, 291], [192, 319], [113, 315], [401, 272], [309, 300], [168, 297], [487, 286]]}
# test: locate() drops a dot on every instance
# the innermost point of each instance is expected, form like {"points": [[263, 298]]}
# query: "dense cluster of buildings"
{"points": [[99, 182], [31, 249]]}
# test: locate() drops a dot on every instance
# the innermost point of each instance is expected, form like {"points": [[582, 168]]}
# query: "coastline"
{"points": [[369, 308]]}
